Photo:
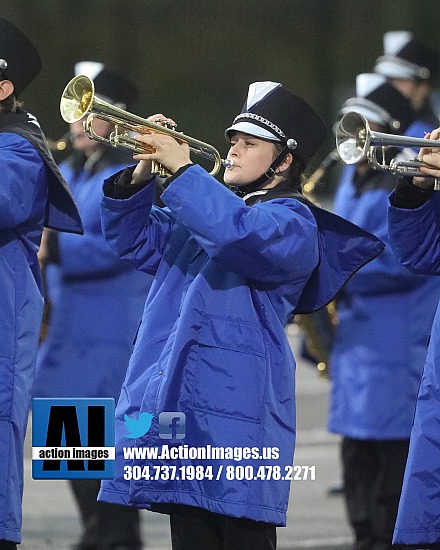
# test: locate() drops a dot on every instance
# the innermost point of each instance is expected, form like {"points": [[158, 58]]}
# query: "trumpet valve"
{"points": [[165, 123]]}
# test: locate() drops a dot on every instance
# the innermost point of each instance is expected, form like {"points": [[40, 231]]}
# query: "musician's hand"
{"points": [[431, 156], [143, 170], [165, 150], [168, 151]]}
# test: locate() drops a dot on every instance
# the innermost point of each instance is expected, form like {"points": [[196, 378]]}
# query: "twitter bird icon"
{"points": [[137, 427]]}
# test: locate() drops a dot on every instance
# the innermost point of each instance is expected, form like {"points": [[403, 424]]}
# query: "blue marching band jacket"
{"points": [[227, 278], [32, 194], [415, 237]]}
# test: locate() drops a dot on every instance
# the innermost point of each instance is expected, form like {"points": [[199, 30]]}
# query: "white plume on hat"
{"points": [[368, 82], [394, 41], [89, 68], [259, 90]]}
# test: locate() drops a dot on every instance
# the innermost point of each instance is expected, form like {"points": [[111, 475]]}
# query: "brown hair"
{"points": [[293, 176]]}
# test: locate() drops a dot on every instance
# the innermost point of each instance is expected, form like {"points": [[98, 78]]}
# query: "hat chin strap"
{"points": [[257, 184]]}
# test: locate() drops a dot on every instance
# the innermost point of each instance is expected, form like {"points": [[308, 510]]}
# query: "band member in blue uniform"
{"points": [[97, 303], [32, 194], [230, 269], [384, 318]]}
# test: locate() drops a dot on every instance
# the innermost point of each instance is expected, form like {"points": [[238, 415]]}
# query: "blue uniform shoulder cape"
{"points": [[61, 211], [343, 249]]}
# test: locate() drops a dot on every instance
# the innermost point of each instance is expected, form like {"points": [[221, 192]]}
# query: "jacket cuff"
{"points": [[409, 196], [178, 173], [119, 187]]}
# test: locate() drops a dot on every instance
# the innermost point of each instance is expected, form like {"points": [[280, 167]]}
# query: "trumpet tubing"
{"points": [[79, 100], [355, 141]]}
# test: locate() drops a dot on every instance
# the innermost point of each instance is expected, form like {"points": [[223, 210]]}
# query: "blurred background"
{"points": [[193, 59]]}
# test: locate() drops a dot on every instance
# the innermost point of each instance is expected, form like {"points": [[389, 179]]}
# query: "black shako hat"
{"points": [[406, 57], [272, 112], [19, 60], [109, 86], [379, 102]]}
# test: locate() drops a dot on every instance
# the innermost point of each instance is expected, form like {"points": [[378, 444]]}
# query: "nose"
{"points": [[233, 151]]}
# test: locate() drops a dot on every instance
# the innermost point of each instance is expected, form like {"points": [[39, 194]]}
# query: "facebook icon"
{"points": [[172, 425]]}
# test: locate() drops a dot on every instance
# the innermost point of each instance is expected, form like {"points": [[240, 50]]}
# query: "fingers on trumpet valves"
{"points": [[166, 123]]}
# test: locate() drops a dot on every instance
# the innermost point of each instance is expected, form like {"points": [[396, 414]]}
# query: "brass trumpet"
{"points": [[79, 99], [355, 141]]}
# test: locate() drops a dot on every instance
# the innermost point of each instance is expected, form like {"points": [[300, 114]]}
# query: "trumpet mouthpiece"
{"points": [[228, 164]]}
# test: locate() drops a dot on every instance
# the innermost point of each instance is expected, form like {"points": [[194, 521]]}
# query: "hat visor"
{"points": [[251, 129], [392, 69]]}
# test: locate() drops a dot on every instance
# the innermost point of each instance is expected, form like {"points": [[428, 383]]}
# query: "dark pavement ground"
{"points": [[316, 520]]}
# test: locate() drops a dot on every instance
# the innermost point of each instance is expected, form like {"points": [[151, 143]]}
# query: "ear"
{"points": [[286, 163], [6, 89]]}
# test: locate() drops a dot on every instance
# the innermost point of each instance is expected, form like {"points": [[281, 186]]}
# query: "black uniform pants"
{"points": [[198, 529], [105, 526], [373, 476]]}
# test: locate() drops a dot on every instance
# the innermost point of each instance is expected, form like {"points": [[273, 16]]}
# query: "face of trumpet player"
{"points": [[251, 157], [81, 141]]}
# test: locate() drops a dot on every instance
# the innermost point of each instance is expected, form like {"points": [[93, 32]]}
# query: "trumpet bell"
{"points": [[77, 99], [352, 138]]}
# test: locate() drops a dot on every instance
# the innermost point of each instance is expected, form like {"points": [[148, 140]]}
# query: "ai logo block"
{"points": [[73, 438]]}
